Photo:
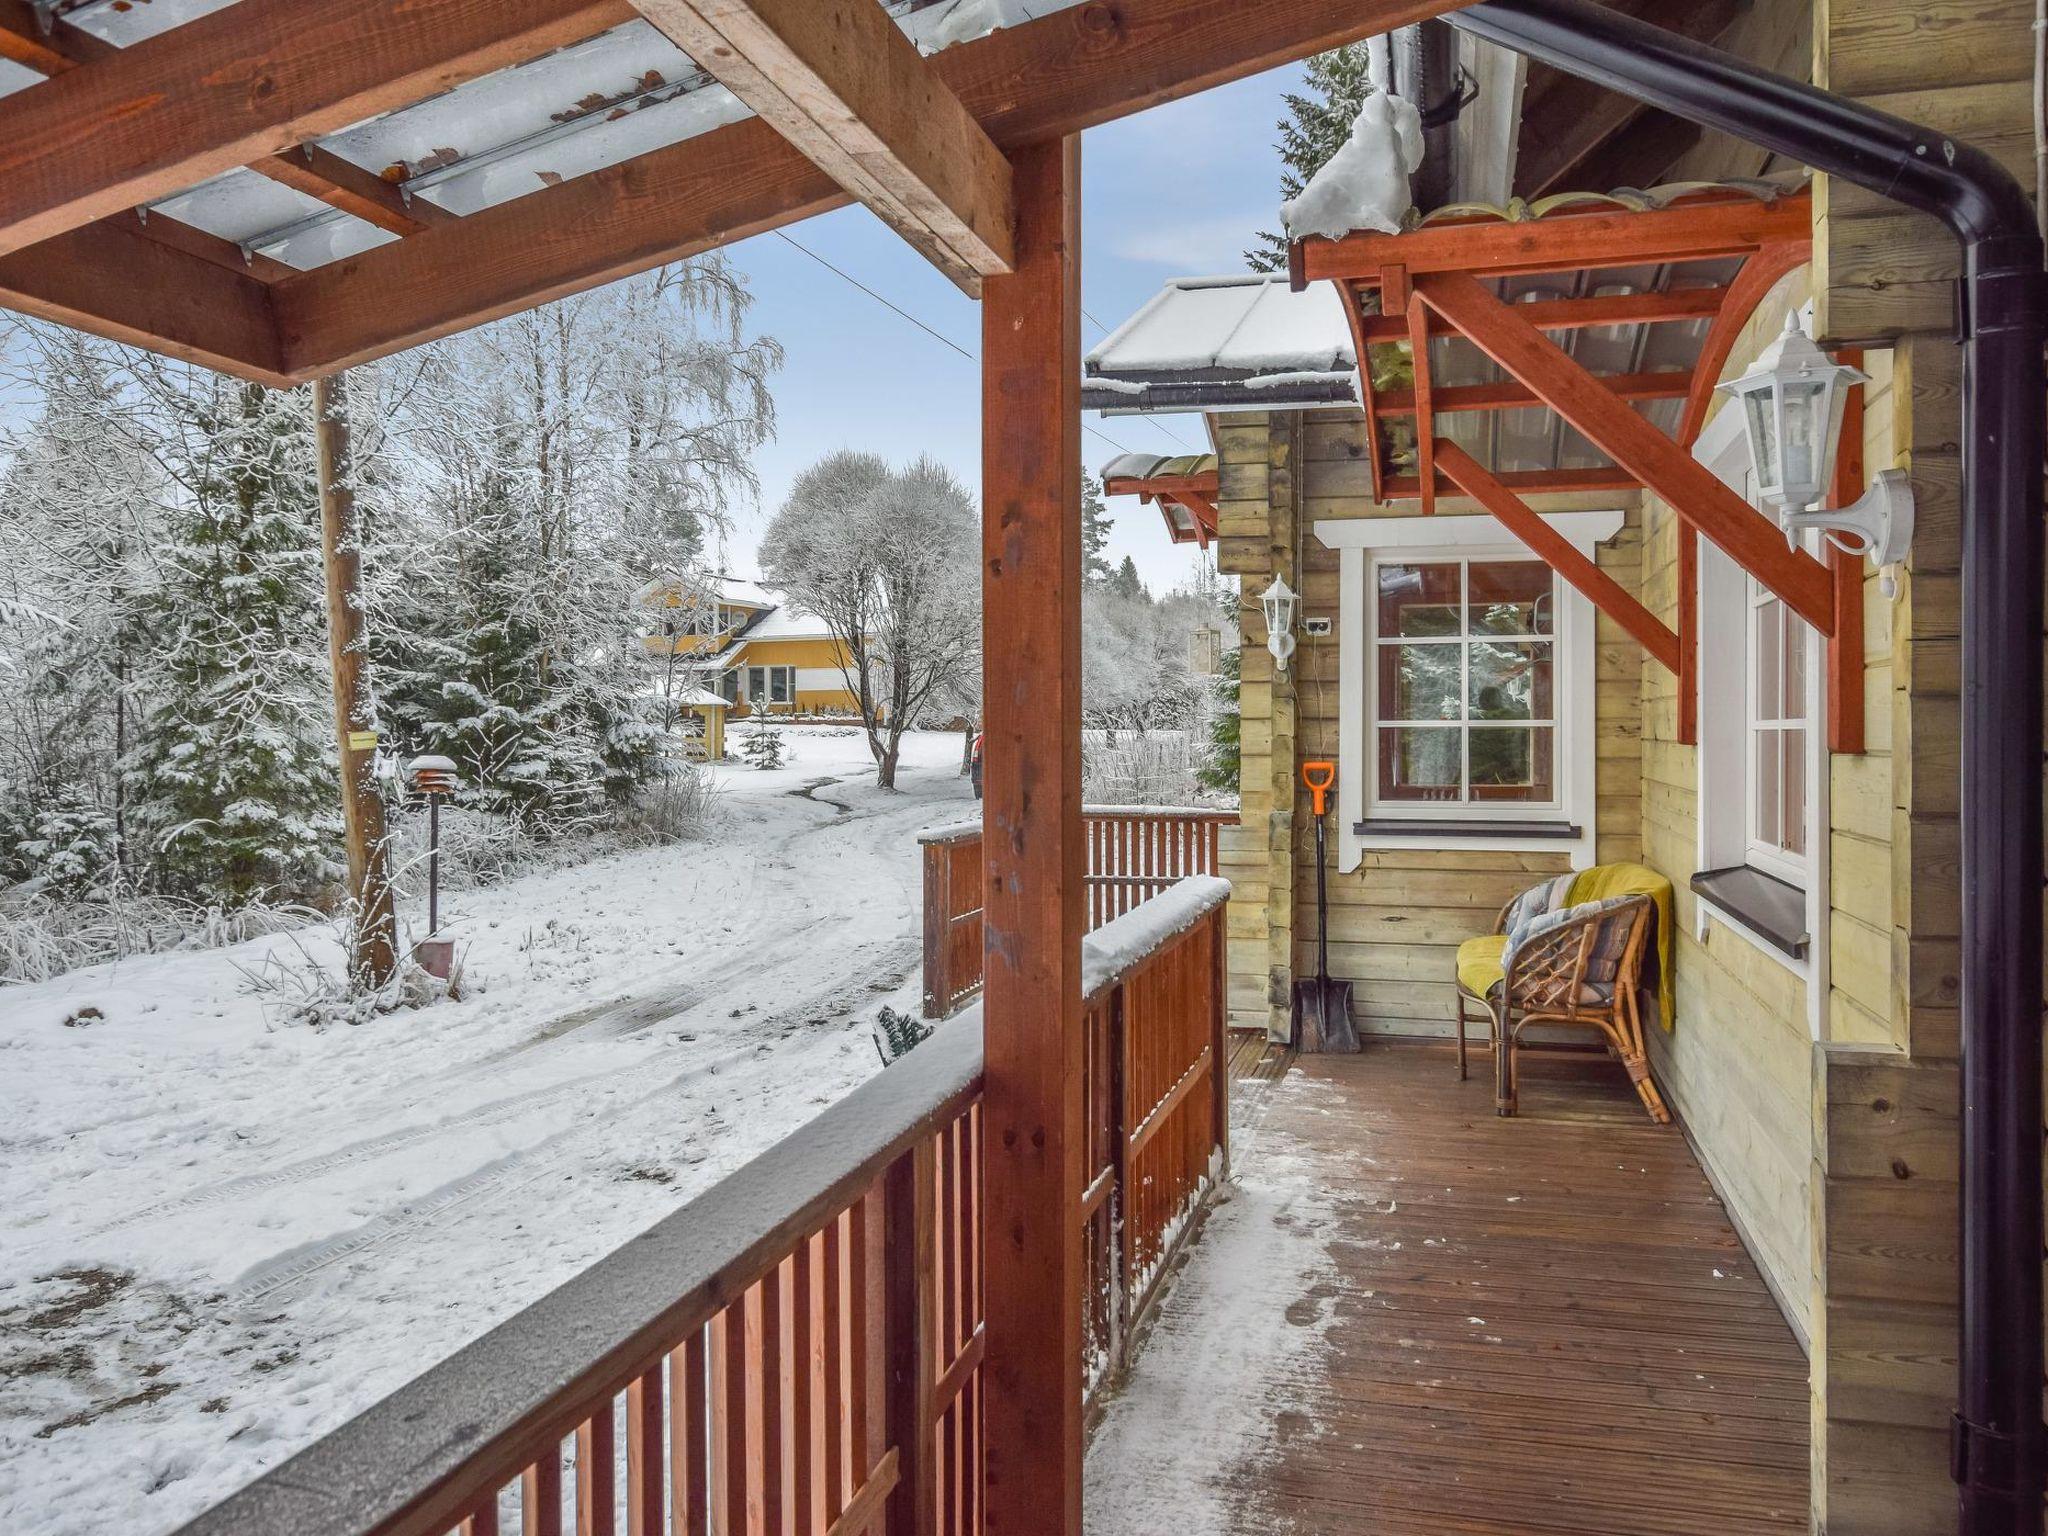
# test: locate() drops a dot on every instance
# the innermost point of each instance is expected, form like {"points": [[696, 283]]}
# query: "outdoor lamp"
{"points": [[1792, 403], [1280, 604]]}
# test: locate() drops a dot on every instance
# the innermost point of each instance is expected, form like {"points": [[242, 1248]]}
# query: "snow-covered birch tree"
{"points": [[887, 560]]}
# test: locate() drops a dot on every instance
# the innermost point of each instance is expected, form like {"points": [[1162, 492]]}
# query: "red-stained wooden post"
{"points": [[1033, 866]]}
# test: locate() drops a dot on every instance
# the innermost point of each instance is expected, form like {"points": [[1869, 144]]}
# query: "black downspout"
{"points": [[1998, 1446]]}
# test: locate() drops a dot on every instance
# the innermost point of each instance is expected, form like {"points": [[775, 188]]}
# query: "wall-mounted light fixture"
{"points": [[1280, 605], [1792, 403]]}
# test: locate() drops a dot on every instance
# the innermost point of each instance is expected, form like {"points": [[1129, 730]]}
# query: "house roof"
{"points": [[1242, 342]]}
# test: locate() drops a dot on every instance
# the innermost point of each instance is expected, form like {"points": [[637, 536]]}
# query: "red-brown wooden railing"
{"points": [[798, 1351], [1134, 853]]}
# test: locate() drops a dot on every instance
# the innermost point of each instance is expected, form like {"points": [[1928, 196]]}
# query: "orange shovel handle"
{"points": [[1318, 777]]}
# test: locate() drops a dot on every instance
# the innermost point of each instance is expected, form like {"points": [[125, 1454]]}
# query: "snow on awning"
{"points": [[1244, 342], [583, 108]]}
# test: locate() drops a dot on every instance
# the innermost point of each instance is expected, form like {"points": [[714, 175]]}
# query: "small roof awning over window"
{"points": [[1183, 485], [1245, 342]]}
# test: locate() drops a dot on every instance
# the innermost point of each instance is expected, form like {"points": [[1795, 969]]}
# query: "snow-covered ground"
{"points": [[219, 1239]]}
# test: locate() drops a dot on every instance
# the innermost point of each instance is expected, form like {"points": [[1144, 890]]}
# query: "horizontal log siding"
{"points": [[1396, 921]]}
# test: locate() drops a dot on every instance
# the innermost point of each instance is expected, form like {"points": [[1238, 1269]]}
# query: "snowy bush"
{"points": [[42, 936], [298, 989], [673, 809], [1161, 768]]}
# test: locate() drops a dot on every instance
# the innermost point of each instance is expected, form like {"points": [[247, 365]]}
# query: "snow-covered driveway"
{"points": [[219, 1240]]}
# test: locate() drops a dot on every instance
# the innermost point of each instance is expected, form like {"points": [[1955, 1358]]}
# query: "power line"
{"points": [[905, 314]]}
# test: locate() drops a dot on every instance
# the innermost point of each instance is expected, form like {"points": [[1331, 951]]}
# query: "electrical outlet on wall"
{"points": [[1316, 629]]}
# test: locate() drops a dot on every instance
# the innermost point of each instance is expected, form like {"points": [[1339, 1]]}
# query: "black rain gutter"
{"points": [[1997, 1456]]}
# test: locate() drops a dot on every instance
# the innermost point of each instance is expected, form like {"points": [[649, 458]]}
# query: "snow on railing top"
{"points": [[1119, 946], [956, 831]]}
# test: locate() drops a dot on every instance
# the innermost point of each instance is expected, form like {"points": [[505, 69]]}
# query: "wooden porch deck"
{"points": [[1412, 1316]]}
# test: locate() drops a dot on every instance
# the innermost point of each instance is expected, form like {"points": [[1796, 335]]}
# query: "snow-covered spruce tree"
{"points": [[234, 780], [1094, 531], [889, 562], [78, 509], [562, 459], [1220, 771], [1318, 121]]}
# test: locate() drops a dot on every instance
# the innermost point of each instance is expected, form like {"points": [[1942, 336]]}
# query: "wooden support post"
{"points": [[1558, 552], [1034, 869], [373, 935]]}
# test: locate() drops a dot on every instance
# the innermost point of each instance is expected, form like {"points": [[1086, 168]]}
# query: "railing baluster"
{"points": [[729, 1389], [910, 1232], [804, 1360], [643, 1455], [689, 1439], [838, 1478], [597, 1507], [540, 1494]]}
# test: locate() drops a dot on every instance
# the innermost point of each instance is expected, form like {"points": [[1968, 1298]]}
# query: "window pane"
{"points": [[1418, 600], [1793, 799], [1768, 628], [1420, 682], [1793, 702], [1511, 681], [1420, 764], [1513, 764], [1803, 429], [1763, 434], [778, 683], [1510, 598], [1766, 759]]}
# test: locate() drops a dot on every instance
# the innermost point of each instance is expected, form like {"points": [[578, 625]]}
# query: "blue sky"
{"points": [[1174, 191]]}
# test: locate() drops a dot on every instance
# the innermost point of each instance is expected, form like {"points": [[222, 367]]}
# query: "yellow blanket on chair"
{"points": [[1605, 880]]}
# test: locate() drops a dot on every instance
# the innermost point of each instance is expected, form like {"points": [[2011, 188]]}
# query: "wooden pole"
{"points": [[373, 940], [1033, 865]]}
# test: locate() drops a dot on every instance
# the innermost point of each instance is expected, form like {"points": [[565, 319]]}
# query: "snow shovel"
{"points": [[1322, 1007]]}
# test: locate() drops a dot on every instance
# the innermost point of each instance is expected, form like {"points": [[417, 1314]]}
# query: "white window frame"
{"points": [[1361, 544], [1727, 789], [1793, 869], [1466, 809]]}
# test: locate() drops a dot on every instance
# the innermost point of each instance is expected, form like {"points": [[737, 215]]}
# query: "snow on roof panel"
{"points": [[580, 109], [1243, 325]]}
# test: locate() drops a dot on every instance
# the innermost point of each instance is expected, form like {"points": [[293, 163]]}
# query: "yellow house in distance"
{"points": [[749, 644]]}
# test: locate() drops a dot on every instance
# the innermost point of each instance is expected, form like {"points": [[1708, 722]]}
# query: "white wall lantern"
{"points": [[1792, 403], [1280, 605]]}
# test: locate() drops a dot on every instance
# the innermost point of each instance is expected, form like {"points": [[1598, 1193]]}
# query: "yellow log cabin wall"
{"points": [[1830, 1132]]}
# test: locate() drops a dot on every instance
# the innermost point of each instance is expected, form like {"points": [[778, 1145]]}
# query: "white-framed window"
{"points": [[1762, 756], [771, 685], [1465, 687], [1777, 832]]}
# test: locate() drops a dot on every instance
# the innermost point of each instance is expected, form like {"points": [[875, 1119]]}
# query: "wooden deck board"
{"points": [[1543, 1325]]}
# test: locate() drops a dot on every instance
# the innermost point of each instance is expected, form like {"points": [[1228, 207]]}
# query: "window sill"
{"points": [[1474, 828], [1762, 906]]}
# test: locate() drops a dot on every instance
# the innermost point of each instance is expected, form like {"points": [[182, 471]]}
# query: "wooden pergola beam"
{"points": [[115, 281], [1064, 72], [1509, 396], [1532, 482], [246, 81], [1652, 308], [49, 46], [1557, 552], [1693, 230], [339, 183], [840, 81], [1750, 539]]}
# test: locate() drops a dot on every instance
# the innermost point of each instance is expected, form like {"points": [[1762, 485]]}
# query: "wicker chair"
{"points": [[1546, 981]]}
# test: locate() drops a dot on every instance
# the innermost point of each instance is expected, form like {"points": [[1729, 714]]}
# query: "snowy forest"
{"points": [[166, 725]]}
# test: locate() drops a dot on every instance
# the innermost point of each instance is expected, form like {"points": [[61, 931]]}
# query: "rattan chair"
{"points": [[1546, 982]]}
